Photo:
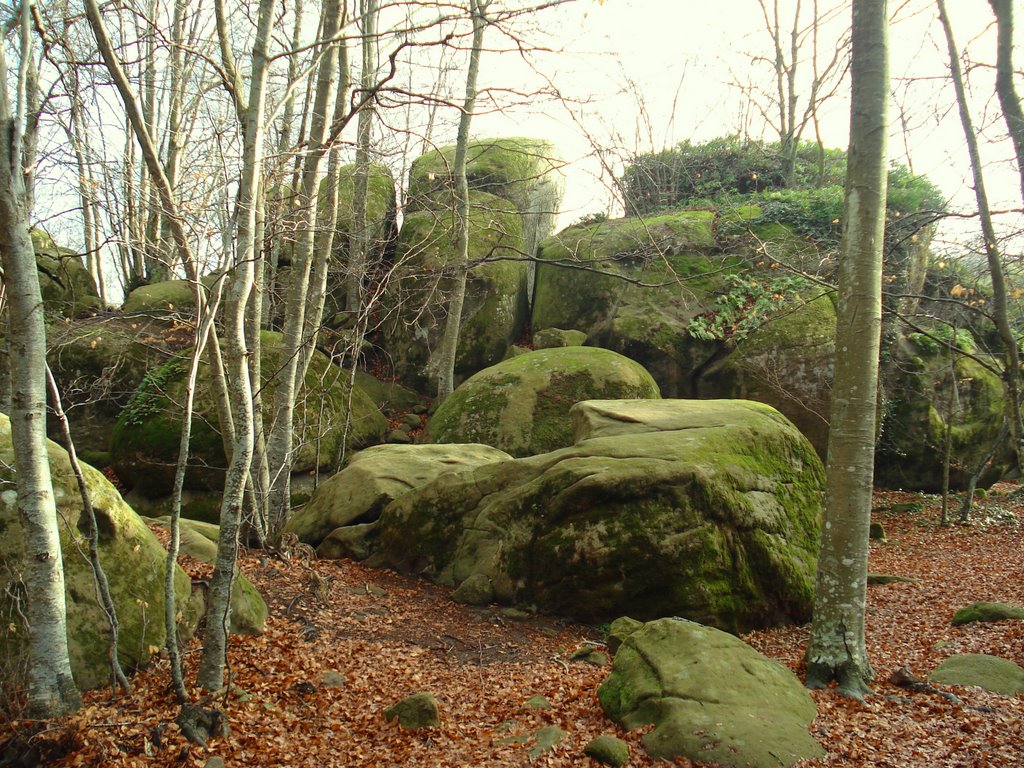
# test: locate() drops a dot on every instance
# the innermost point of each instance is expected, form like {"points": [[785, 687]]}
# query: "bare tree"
{"points": [[445, 363], [994, 258]]}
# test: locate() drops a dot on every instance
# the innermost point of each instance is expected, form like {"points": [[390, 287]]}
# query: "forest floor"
{"points": [[384, 636]]}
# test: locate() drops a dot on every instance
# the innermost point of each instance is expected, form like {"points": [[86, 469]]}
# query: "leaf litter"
{"points": [[344, 642]]}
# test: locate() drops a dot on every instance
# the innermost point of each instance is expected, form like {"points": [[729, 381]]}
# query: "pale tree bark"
{"points": [[214, 658], [460, 264], [51, 687], [997, 274], [279, 443], [92, 533], [358, 240], [1005, 89], [836, 650]]}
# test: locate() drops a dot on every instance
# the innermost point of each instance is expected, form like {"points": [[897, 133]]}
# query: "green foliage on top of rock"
{"points": [[129, 552], [521, 405], [710, 696], [745, 171], [144, 446]]}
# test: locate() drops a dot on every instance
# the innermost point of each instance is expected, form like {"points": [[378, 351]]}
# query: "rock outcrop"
{"points": [[129, 552], [707, 510]]}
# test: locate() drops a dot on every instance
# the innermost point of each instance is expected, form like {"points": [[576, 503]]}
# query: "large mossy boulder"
{"points": [[98, 363], [786, 363], [522, 404], [67, 287], [598, 278], [381, 230], [132, 557], [982, 670], [144, 446], [248, 608], [524, 171], [707, 510], [710, 696], [377, 476], [922, 398], [495, 310]]}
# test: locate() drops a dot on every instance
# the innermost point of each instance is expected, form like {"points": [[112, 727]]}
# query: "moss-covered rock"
{"points": [[557, 337], [248, 608], [710, 696], [633, 286], [989, 672], [985, 612], [786, 363], [523, 171], [98, 363], [919, 401], [381, 231], [144, 446], [522, 405], [377, 476], [161, 298], [495, 310], [608, 750], [414, 712], [132, 557], [714, 517], [67, 288]]}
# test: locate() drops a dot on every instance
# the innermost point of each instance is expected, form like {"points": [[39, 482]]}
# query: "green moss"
{"points": [[507, 167], [146, 438]]}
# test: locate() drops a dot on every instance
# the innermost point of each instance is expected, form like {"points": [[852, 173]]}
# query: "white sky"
{"points": [[682, 55]]}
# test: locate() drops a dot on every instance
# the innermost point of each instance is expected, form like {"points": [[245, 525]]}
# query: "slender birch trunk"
{"points": [[214, 658], [51, 687], [358, 256], [836, 650], [460, 264]]}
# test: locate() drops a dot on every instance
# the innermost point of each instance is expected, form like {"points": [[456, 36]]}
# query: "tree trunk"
{"points": [[290, 373], [358, 240], [836, 650], [51, 687], [1000, 302], [1008, 98], [214, 658], [460, 265]]}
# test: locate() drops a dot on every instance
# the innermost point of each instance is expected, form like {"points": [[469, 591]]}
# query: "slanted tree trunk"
{"points": [[51, 687], [1000, 299], [460, 265], [836, 650], [1005, 90]]}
